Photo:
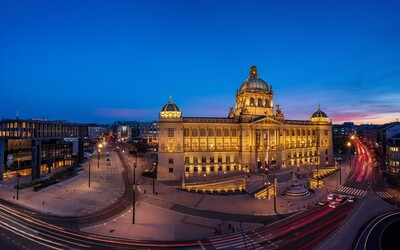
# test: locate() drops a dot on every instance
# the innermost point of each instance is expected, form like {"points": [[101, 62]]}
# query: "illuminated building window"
{"points": [[260, 102], [186, 132], [226, 132], [266, 103], [211, 159], [252, 101], [170, 132]]}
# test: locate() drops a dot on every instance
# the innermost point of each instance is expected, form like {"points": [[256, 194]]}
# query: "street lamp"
{"points": [[98, 155], [275, 183], [18, 175], [89, 173], [349, 145], [134, 187]]}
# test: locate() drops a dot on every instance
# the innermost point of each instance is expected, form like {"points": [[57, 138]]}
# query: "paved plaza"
{"points": [[169, 215]]}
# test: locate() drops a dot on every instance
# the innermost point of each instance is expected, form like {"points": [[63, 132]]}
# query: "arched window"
{"points": [[235, 158], [211, 159], [266, 103], [195, 160], [186, 159], [259, 102], [203, 160], [252, 101], [228, 159], [219, 159]]}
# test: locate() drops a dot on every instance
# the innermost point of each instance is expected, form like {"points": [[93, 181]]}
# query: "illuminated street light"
{"points": [[98, 155]]}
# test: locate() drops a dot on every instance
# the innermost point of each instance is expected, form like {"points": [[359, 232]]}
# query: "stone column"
{"points": [[36, 158], [80, 149], [2, 148]]}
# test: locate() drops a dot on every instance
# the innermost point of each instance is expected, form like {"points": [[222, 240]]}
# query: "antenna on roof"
{"points": [[17, 116]]}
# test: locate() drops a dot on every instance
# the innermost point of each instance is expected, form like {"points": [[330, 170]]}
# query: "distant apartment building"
{"points": [[132, 130], [341, 134], [95, 130], [33, 147], [379, 133], [393, 154]]}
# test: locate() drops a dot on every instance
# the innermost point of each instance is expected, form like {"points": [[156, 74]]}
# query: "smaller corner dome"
{"points": [[319, 113], [254, 82], [170, 106]]}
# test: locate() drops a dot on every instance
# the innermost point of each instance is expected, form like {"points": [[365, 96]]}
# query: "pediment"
{"points": [[267, 120]]}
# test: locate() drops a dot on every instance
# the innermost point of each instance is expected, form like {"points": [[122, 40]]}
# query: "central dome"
{"points": [[254, 82]]}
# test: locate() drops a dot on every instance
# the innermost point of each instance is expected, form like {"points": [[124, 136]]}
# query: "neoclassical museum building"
{"points": [[254, 136]]}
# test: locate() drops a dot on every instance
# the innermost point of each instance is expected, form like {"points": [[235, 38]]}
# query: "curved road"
{"points": [[370, 234]]}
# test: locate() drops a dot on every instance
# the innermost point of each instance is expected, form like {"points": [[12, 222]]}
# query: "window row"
{"points": [[195, 159], [203, 132], [211, 169], [260, 102]]}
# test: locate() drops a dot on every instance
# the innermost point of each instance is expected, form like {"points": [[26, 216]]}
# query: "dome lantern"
{"points": [[170, 110], [319, 116], [254, 82]]}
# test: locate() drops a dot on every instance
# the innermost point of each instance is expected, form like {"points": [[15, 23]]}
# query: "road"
{"points": [[300, 231], [370, 235]]}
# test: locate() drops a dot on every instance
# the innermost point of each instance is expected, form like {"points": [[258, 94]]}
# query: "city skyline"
{"points": [[102, 61]]}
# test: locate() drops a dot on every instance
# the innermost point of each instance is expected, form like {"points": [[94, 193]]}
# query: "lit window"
{"points": [[170, 132]]}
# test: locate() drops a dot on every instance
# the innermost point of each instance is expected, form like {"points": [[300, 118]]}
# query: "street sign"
{"points": [[10, 159]]}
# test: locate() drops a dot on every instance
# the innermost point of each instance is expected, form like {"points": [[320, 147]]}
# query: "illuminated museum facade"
{"points": [[254, 136]]}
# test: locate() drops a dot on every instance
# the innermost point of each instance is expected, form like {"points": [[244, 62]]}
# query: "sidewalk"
{"points": [[153, 221], [72, 196]]}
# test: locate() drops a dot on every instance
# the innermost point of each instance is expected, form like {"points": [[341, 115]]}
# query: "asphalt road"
{"points": [[370, 234]]}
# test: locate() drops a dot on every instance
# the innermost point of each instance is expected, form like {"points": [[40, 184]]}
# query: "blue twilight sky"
{"points": [[102, 61]]}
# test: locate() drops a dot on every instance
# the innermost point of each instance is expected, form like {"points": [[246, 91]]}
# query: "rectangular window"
{"points": [[195, 169], [226, 132], [219, 133], [203, 132], [195, 132], [171, 161], [233, 132], [186, 132], [187, 169], [212, 169], [210, 132], [171, 170], [203, 169], [170, 132]]}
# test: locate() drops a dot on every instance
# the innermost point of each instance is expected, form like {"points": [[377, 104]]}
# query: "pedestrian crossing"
{"points": [[352, 191], [238, 241], [384, 195]]}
